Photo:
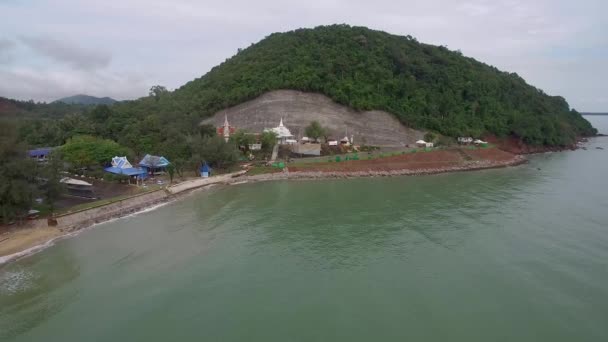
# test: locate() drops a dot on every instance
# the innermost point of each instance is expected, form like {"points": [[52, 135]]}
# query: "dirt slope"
{"points": [[298, 109]]}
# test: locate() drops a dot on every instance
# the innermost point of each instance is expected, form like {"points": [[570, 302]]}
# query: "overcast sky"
{"points": [[50, 49]]}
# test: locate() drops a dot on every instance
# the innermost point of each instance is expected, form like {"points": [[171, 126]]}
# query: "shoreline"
{"points": [[26, 241]]}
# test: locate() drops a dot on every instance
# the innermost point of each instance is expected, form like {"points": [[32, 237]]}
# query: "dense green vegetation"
{"points": [[22, 179], [425, 86]]}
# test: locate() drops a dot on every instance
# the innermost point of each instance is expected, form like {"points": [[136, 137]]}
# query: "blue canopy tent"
{"points": [[153, 163], [131, 171], [121, 166], [205, 171]]}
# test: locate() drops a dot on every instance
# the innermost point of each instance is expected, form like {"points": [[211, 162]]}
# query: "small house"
{"points": [[332, 142]]}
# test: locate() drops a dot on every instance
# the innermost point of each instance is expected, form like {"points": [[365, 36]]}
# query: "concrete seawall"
{"points": [[86, 217]]}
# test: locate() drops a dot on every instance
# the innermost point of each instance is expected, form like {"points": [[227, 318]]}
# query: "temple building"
{"points": [[284, 136], [226, 129]]}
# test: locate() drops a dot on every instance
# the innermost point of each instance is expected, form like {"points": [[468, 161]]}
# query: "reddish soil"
{"points": [[435, 160], [492, 154], [515, 145]]}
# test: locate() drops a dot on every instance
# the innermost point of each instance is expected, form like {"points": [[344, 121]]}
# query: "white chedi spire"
{"points": [[281, 123], [226, 128]]}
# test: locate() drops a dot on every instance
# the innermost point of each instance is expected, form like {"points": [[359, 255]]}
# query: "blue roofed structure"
{"points": [[153, 163], [121, 166], [131, 171], [40, 154]]}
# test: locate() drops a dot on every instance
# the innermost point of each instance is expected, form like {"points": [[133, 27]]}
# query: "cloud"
{"points": [[49, 85], [69, 54], [174, 42], [6, 48]]}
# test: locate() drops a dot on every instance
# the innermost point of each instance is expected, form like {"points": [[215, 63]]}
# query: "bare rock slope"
{"points": [[298, 109]]}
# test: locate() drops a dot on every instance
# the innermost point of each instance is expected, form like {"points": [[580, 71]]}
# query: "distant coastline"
{"points": [[594, 113]]}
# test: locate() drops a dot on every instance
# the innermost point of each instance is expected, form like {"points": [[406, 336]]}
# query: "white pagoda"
{"points": [[284, 136]]}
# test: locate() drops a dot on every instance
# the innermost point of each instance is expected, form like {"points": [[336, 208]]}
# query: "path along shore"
{"points": [[39, 234]]}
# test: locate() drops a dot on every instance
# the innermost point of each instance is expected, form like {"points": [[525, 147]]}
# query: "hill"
{"points": [[594, 113], [87, 100], [15, 109], [424, 86]]}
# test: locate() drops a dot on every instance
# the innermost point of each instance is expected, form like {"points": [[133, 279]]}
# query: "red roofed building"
{"points": [[226, 130]]}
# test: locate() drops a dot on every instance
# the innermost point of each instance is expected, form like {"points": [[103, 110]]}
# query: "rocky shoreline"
{"points": [[472, 166]]}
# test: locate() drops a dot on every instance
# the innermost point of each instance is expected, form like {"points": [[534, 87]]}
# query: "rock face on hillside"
{"points": [[298, 109]]}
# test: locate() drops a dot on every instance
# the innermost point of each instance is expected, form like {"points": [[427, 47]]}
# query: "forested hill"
{"points": [[426, 86], [15, 109], [86, 100]]}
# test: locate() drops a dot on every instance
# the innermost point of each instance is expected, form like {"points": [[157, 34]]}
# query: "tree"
{"points": [[242, 139], [268, 139], [207, 130], [86, 151], [216, 152], [430, 137], [17, 176], [315, 130], [157, 91], [171, 171], [52, 187]]}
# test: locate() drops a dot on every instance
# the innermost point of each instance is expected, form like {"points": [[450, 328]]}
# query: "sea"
{"points": [[515, 254]]}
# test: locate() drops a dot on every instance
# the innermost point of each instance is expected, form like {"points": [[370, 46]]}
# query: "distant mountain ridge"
{"points": [[87, 100], [595, 113]]}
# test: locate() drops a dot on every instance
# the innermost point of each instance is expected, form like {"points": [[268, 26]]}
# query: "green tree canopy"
{"points": [[17, 176], [87, 151], [315, 130]]}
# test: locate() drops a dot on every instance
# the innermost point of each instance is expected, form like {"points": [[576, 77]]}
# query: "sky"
{"points": [[51, 49]]}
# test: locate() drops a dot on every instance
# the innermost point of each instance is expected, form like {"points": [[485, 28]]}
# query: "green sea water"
{"points": [[517, 254]]}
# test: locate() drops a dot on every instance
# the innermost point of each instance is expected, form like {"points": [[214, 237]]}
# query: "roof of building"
{"points": [[42, 151], [154, 161], [420, 142], [132, 171], [121, 163]]}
